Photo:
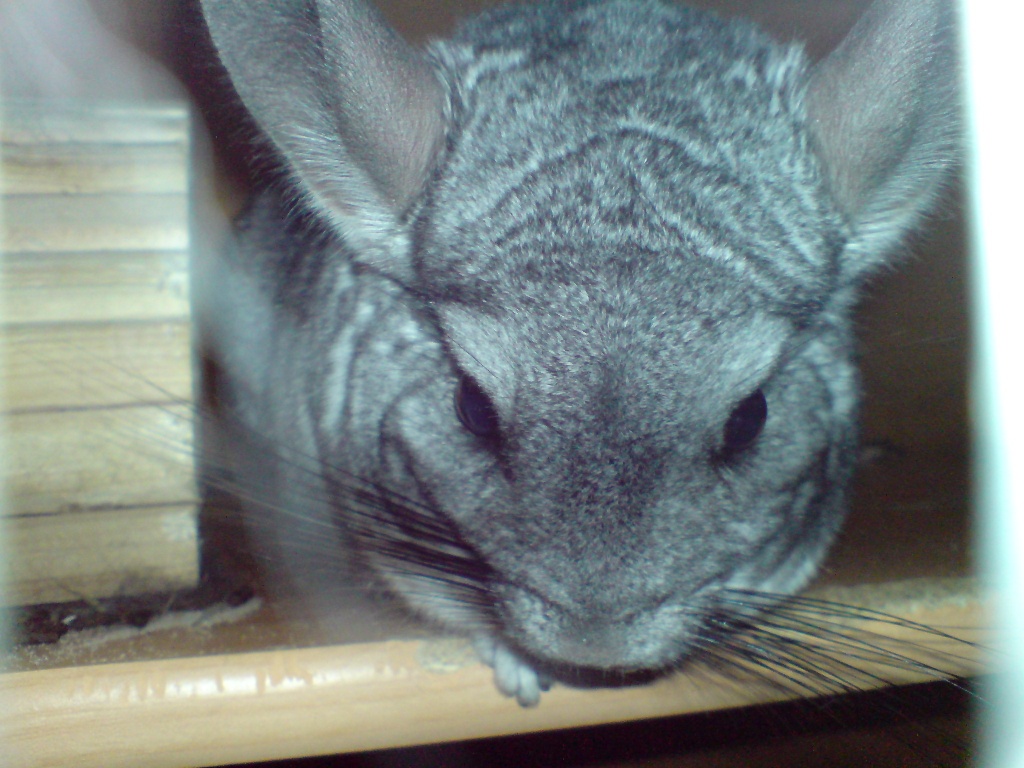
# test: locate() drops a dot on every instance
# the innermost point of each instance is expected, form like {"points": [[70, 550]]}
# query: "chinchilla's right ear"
{"points": [[357, 114], [885, 115]]}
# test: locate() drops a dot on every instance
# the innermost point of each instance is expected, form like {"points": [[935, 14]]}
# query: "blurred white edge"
{"points": [[991, 37]]}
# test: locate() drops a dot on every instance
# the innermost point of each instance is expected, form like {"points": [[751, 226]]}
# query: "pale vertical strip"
{"points": [[992, 33], [5, 637]]}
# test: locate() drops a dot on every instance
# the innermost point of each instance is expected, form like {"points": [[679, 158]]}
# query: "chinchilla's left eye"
{"points": [[475, 409], [745, 423]]}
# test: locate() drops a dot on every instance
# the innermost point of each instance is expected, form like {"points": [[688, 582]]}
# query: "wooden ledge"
{"points": [[242, 707]]}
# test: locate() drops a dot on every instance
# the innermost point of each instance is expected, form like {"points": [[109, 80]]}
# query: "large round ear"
{"points": [[885, 115], [357, 114]]}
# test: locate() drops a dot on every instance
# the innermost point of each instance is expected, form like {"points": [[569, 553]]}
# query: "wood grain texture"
{"points": [[103, 286], [132, 550], [95, 360], [83, 365], [62, 461], [238, 707]]}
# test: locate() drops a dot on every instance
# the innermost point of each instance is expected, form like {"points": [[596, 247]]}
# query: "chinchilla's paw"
{"points": [[512, 676]]}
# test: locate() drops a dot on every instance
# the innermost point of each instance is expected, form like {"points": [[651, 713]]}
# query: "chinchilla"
{"points": [[548, 326]]}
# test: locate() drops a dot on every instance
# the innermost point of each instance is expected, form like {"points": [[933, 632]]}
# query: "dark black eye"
{"points": [[474, 409], [745, 423]]}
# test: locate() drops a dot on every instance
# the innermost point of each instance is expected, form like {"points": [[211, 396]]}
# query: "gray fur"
{"points": [[619, 219]]}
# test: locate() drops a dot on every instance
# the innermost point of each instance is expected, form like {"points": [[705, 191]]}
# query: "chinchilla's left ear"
{"points": [[357, 114], [885, 116]]}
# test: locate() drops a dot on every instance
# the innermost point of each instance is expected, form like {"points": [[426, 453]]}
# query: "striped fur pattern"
{"points": [[564, 355]]}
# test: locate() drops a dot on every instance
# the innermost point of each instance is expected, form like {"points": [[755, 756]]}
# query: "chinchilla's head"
{"points": [[635, 263], [638, 233]]}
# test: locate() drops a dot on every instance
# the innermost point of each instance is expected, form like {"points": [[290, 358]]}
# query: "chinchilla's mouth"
{"points": [[590, 677], [709, 646]]}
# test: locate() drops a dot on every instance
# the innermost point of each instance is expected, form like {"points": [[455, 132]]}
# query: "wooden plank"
{"points": [[85, 365], [97, 287], [95, 350], [62, 462], [101, 554], [103, 222], [52, 168], [35, 121], [249, 707]]}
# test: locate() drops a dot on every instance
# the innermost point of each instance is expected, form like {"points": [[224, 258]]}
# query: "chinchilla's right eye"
{"points": [[745, 423], [474, 409]]}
